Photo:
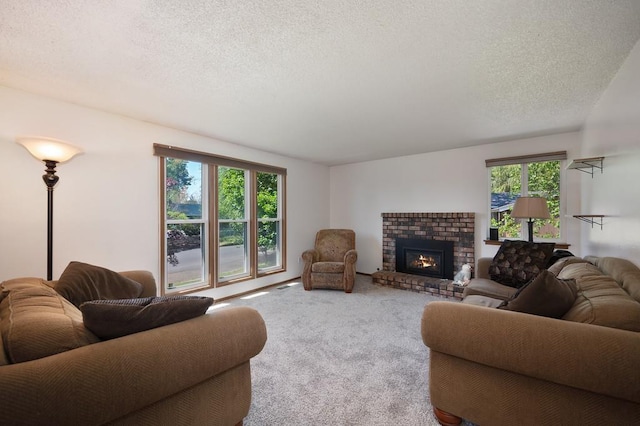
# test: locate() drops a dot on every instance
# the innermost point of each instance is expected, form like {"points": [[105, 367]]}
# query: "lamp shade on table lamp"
{"points": [[530, 208]]}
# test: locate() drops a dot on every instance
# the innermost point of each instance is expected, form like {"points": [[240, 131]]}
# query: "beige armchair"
{"points": [[332, 263]]}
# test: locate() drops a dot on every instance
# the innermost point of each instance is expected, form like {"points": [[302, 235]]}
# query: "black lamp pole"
{"points": [[50, 179], [530, 223], [51, 151]]}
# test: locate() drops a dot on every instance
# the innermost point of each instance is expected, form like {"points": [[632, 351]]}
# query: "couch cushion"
{"points": [[577, 271], [561, 263], [602, 301], [478, 300], [36, 322], [81, 282], [328, 267], [626, 273], [545, 296], [488, 288], [518, 262], [109, 319]]}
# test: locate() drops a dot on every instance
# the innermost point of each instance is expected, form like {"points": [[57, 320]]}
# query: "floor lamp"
{"points": [[530, 208], [51, 152]]}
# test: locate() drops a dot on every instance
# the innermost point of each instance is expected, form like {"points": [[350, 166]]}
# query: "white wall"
{"points": [[447, 181], [613, 131], [106, 203]]}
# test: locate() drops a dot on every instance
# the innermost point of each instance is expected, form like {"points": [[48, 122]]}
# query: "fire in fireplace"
{"points": [[431, 258]]}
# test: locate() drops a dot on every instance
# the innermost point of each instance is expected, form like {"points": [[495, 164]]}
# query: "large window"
{"points": [[269, 221], [532, 175], [223, 219], [185, 223]]}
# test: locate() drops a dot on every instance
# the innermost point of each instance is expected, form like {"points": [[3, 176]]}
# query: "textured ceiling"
{"points": [[332, 81]]}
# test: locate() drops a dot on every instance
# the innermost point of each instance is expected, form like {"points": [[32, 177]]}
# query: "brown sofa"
{"points": [[499, 367], [187, 373]]}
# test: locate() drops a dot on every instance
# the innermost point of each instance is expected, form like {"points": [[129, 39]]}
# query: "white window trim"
{"points": [[527, 159]]}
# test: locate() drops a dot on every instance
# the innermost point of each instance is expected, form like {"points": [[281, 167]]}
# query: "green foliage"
{"points": [[544, 181], [267, 209], [177, 181], [506, 179], [231, 205], [231, 193], [231, 233], [267, 195]]}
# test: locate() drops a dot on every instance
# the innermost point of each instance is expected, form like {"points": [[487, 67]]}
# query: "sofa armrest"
{"points": [[589, 357], [130, 372], [350, 258], [310, 256], [482, 267], [149, 288]]}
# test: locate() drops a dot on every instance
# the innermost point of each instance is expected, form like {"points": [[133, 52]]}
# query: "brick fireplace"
{"points": [[457, 228]]}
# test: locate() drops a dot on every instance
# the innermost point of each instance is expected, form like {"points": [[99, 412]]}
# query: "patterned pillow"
{"points": [[518, 262], [109, 319]]}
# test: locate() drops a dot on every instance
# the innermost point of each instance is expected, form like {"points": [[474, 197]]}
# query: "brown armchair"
{"points": [[332, 263]]}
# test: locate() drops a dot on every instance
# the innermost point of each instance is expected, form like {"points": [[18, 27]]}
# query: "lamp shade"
{"points": [[531, 208], [48, 149]]}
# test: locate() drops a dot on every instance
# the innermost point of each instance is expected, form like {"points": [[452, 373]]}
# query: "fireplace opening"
{"points": [[431, 258]]}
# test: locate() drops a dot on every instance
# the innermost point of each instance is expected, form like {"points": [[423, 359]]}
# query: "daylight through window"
{"points": [[223, 219], [532, 175]]}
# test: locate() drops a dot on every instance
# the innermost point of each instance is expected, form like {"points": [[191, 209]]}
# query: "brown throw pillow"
{"points": [[545, 296], [81, 282], [518, 262], [109, 319]]}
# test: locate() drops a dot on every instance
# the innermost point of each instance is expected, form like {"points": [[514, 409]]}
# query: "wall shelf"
{"points": [[587, 165], [593, 219]]}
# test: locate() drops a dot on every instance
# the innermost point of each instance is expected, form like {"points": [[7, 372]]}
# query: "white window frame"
{"points": [[524, 160]]}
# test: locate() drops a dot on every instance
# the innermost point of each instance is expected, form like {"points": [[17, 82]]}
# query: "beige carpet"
{"points": [[340, 359]]}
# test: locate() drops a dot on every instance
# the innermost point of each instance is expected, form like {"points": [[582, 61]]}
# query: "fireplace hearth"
{"points": [[456, 227], [431, 258]]}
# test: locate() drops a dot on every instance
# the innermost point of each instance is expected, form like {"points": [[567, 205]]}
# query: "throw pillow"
{"points": [[109, 319], [81, 282], [546, 296], [518, 262]]}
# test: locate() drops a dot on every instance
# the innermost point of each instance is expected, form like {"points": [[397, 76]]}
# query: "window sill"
{"points": [[498, 242]]}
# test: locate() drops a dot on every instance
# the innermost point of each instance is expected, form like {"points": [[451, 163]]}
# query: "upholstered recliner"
{"points": [[332, 263]]}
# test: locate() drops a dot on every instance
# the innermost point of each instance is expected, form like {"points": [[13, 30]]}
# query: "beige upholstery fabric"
{"points": [[221, 400], [332, 261], [37, 322], [498, 367], [486, 301], [601, 301], [191, 372], [623, 271], [561, 263], [482, 267], [488, 288]]}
